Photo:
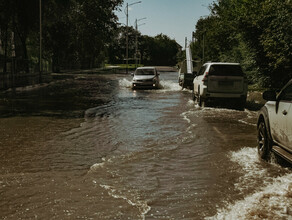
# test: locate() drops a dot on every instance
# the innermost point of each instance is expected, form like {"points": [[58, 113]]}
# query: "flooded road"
{"points": [[91, 148]]}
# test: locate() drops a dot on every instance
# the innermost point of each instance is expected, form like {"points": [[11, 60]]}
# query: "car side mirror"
{"points": [[270, 96], [132, 74]]}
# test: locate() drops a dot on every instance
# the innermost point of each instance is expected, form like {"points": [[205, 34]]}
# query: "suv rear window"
{"points": [[226, 70]]}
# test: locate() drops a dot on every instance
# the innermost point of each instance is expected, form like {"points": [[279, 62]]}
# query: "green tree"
{"points": [[95, 25], [16, 24], [58, 33], [75, 32], [117, 48], [160, 50], [255, 33]]}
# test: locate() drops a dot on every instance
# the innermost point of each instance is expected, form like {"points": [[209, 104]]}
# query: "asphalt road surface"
{"points": [[90, 147]]}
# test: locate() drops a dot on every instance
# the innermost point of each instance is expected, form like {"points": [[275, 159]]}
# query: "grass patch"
{"points": [[123, 66]]}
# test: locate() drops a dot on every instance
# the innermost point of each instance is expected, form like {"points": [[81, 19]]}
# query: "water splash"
{"points": [[271, 201], [168, 85], [125, 83], [248, 159], [142, 206]]}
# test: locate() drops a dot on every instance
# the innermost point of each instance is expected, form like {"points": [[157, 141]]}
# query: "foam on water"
{"points": [[141, 205], [271, 201], [96, 166], [247, 123], [248, 159], [250, 119], [185, 117], [167, 85], [125, 83], [192, 103]]}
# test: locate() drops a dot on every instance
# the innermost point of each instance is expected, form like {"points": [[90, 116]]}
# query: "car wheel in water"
{"points": [[199, 100], [194, 95], [202, 102], [183, 84], [241, 104], [264, 142]]}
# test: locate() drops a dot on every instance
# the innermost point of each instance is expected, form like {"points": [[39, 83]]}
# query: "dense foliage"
{"points": [[75, 32], [257, 34], [158, 50]]}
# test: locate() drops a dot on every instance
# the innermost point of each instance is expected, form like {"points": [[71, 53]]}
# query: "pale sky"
{"points": [[174, 18]]}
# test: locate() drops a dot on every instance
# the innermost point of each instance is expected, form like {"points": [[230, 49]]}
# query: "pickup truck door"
{"points": [[289, 128], [281, 121], [198, 79]]}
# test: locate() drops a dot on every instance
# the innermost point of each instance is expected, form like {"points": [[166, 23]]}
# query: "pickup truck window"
{"points": [[202, 70], [286, 95]]}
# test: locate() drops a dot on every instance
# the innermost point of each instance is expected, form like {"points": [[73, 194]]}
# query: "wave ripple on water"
{"points": [[272, 201]]}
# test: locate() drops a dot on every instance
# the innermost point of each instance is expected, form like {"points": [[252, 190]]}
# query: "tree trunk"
{"points": [[5, 50], [25, 57]]}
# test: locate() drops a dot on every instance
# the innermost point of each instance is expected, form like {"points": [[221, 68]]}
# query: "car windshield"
{"points": [[144, 72], [225, 70]]}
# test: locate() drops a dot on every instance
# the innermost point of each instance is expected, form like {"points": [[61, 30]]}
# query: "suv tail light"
{"points": [[205, 79]]}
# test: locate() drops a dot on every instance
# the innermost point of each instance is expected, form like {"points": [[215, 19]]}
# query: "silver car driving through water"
{"points": [[145, 77]]}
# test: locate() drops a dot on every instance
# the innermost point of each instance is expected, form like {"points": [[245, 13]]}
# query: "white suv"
{"points": [[275, 124], [220, 81]]}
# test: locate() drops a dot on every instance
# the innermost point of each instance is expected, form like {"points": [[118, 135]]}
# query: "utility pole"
{"points": [[136, 44], [40, 59], [127, 34], [127, 40], [13, 58], [204, 47]]}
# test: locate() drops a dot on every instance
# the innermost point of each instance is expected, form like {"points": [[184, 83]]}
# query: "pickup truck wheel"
{"points": [[183, 84], [194, 97], [201, 101], [264, 142], [240, 104]]}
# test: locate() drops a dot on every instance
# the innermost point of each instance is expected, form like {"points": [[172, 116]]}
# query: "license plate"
{"points": [[225, 83]]}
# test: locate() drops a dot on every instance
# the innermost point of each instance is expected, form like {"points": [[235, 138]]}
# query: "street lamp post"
{"points": [[127, 34], [136, 49], [204, 47]]}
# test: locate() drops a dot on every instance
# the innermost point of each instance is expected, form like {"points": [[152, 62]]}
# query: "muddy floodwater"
{"points": [[89, 147]]}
